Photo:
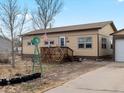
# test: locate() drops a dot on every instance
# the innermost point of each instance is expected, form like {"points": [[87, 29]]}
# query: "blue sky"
{"points": [[87, 11]]}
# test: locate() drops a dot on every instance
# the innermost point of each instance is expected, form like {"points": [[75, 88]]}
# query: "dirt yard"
{"points": [[54, 75]]}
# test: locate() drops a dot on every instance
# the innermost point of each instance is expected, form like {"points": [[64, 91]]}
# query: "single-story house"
{"points": [[118, 43], [87, 40], [5, 45]]}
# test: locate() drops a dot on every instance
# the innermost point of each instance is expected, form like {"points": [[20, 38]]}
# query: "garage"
{"points": [[118, 39], [119, 50]]}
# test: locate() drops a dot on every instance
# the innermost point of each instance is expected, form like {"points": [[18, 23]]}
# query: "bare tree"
{"points": [[46, 11], [9, 16], [3, 35], [21, 26], [23, 21]]}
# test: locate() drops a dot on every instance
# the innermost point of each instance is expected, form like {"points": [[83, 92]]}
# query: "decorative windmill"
{"points": [[36, 57]]}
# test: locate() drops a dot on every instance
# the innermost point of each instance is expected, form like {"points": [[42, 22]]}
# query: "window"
{"points": [[111, 43], [89, 42], [62, 41], [51, 42], [28, 43], [46, 42], [85, 42], [111, 46], [104, 43]]}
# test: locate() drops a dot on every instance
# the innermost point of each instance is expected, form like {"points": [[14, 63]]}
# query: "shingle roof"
{"points": [[1, 36], [117, 32], [5, 38], [89, 26]]}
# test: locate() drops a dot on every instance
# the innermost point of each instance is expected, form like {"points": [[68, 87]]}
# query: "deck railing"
{"points": [[56, 54]]}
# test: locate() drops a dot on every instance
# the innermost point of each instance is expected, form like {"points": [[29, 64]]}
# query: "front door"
{"points": [[62, 42]]}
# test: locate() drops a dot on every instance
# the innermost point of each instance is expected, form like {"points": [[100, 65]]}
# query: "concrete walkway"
{"points": [[108, 79]]}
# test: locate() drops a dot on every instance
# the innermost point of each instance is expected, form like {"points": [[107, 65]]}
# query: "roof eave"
{"points": [[62, 31]]}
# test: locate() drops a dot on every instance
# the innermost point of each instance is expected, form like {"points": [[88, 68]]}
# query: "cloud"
{"points": [[28, 17], [120, 0]]}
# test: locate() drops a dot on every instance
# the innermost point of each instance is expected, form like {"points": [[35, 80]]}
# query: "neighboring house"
{"points": [[5, 45], [87, 40], [118, 39]]}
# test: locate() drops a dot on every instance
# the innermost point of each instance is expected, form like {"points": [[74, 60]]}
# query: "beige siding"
{"points": [[105, 33], [106, 30], [26, 48], [83, 52], [120, 33], [72, 37], [108, 50]]}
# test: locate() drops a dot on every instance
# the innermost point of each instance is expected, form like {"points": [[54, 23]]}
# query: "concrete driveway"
{"points": [[108, 79]]}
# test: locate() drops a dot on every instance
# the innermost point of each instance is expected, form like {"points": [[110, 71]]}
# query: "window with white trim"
{"points": [[104, 43], [85, 42], [46, 42], [49, 42], [29, 43]]}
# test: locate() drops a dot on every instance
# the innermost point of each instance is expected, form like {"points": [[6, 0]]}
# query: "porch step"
{"points": [[79, 59], [68, 59]]}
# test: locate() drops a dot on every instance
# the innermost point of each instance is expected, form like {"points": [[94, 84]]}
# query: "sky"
{"points": [[88, 11], [76, 12]]}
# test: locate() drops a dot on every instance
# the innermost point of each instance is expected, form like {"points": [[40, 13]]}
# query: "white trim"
{"points": [[85, 42], [64, 40]]}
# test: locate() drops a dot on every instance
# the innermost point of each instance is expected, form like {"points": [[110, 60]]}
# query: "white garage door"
{"points": [[119, 50]]}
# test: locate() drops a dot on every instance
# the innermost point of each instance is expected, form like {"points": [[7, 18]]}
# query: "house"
{"points": [[5, 45], [118, 42], [87, 40]]}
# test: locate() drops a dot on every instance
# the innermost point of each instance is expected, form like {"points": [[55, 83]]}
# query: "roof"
{"points": [[5, 38], [1, 36], [120, 32], [82, 27], [5, 45]]}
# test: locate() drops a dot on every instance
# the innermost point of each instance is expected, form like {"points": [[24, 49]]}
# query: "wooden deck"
{"points": [[56, 54]]}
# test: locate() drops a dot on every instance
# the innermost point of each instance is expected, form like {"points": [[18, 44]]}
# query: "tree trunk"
{"points": [[13, 54]]}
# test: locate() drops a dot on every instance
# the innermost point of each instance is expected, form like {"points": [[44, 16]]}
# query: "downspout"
{"points": [[114, 47], [97, 45]]}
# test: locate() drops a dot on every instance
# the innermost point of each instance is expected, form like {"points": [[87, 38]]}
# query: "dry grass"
{"points": [[54, 75]]}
